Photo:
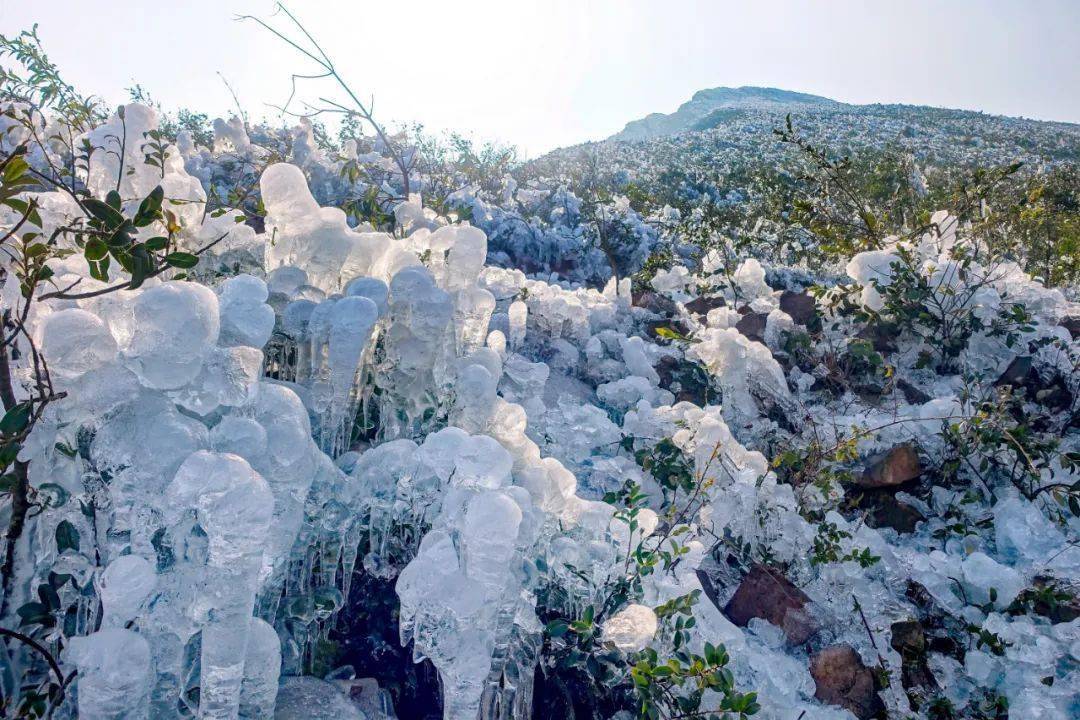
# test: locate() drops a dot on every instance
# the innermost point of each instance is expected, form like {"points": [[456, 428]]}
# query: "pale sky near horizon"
{"points": [[543, 74]]}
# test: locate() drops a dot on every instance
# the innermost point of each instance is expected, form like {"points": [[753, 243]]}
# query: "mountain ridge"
{"points": [[711, 106]]}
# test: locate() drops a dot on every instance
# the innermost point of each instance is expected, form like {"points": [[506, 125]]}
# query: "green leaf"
{"points": [[157, 243], [34, 613], [14, 168], [122, 236], [182, 260], [100, 270], [67, 537], [48, 596], [150, 207], [103, 212], [24, 208], [95, 249], [142, 264], [16, 419], [557, 628]]}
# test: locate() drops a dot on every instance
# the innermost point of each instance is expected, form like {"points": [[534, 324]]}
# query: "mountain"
{"points": [[717, 107], [718, 104]]}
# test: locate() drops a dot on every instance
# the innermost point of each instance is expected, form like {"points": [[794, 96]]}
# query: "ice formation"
{"points": [[243, 444]]}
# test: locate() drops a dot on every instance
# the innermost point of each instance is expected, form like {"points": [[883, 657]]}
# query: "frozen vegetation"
{"points": [[270, 399]]}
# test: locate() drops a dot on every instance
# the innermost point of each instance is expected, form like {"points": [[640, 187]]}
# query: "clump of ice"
{"points": [[631, 629]]}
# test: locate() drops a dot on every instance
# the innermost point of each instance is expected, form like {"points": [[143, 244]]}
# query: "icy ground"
{"points": [[318, 400]]}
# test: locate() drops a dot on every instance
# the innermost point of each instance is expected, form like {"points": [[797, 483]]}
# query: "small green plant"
{"points": [[675, 687], [827, 547]]}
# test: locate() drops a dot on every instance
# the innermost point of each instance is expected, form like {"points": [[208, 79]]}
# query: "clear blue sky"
{"points": [[545, 73]]}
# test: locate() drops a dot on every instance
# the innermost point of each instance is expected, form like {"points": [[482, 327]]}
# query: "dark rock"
{"points": [[890, 468], [1017, 373], [767, 594], [654, 302], [802, 307], [1046, 599], [752, 325], [256, 223], [1072, 324], [940, 625], [686, 380], [908, 637], [702, 305], [1056, 396], [1051, 392], [843, 680], [882, 509], [909, 640], [892, 513], [912, 394], [881, 335]]}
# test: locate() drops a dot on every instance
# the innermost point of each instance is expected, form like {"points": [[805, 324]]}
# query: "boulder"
{"points": [[1017, 373], [1072, 324], [891, 468], [842, 679], [702, 305], [766, 594], [892, 513], [881, 335], [752, 325], [686, 380], [654, 302], [909, 640], [1051, 602], [912, 394], [802, 307]]}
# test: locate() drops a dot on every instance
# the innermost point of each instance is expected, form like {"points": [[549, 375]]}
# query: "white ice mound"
{"points": [[631, 629], [178, 325]]}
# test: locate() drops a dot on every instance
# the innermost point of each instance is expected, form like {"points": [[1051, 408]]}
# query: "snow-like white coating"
{"points": [[319, 402]]}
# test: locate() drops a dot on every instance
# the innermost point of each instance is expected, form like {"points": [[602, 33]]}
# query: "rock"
{"points": [[1072, 324], [1021, 374], [366, 695], [1048, 600], [1056, 396], [909, 640], [309, 698], [752, 325], [843, 680], [1017, 372], [881, 335], [893, 467], [256, 222], [702, 305], [802, 307], [654, 302], [908, 637], [767, 594], [892, 513], [912, 394], [686, 380]]}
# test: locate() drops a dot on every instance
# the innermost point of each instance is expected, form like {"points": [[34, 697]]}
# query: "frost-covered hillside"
{"points": [[296, 428], [711, 106], [731, 111]]}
